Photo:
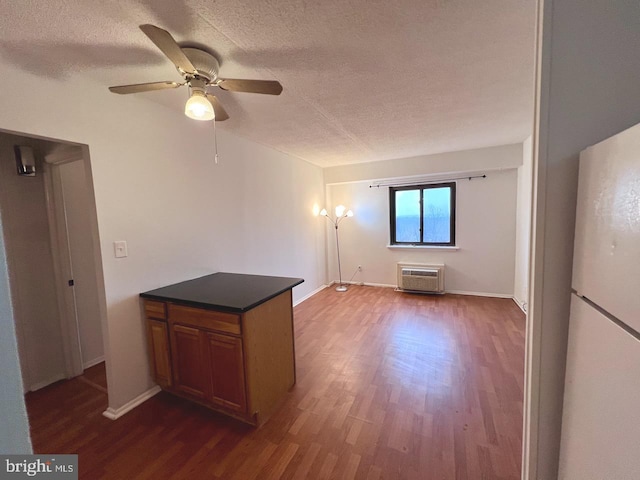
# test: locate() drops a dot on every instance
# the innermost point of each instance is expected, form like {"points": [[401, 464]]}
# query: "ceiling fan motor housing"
{"points": [[206, 64]]}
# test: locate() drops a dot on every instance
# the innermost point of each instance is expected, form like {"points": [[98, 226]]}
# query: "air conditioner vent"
{"points": [[420, 272], [421, 278]]}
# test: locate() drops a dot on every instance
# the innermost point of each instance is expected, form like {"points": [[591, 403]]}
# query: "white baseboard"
{"points": [[333, 282], [115, 413], [365, 284], [93, 362], [479, 294], [309, 295], [39, 385], [455, 292]]}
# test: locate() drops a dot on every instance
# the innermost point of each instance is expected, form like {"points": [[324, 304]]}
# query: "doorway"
{"points": [[50, 232]]}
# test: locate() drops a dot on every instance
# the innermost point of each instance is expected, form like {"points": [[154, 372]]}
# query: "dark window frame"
{"points": [[421, 188]]}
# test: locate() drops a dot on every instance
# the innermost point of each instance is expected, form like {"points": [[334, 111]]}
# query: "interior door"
{"points": [[84, 271], [63, 270]]}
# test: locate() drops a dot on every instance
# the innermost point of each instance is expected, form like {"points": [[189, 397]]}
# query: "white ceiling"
{"points": [[363, 80]]}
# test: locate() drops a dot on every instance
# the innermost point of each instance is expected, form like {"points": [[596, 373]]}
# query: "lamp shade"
{"points": [[349, 213], [340, 210], [199, 107], [323, 212]]}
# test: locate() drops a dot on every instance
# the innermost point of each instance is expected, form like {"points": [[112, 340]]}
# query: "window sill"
{"points": [[421, 247]]}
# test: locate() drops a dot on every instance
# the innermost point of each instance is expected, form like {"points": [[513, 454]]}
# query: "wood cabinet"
{"points": [[227, 371], [189, 368], [241, 364], [158, 336], [158, 342], [208, 366]]}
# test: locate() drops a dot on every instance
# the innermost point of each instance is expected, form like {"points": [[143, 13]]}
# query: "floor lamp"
{"points": [[340, 214]]}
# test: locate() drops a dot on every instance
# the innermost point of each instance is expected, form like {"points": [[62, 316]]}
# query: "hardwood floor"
{"points": [[390, 386]]}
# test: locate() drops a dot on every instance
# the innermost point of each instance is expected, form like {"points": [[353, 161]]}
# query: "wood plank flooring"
{"points": [[390, 386]]}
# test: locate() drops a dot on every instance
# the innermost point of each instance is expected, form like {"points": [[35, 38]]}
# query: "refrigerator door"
{"points": [[606, 263], [601, 416]]}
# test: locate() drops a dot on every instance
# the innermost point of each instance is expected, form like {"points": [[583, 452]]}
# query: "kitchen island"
{"points": [[225, 341]]}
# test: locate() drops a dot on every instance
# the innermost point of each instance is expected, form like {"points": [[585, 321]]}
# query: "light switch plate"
{"points": [[120, 249]]}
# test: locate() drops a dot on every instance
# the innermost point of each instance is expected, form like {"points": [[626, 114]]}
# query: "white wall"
{"points": [[77, 201], [157, 187], [13, 421], [265, 205], [490, 158], [485, 235], [588, 89], [26, 231], [487, 242], [523, 225]]}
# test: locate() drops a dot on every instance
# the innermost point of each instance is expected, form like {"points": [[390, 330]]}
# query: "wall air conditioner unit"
{"points": [[421, 278]]}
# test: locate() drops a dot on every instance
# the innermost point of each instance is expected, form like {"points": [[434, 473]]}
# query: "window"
{"points": [[423, 214]]}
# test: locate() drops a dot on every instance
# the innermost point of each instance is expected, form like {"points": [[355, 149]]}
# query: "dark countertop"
{"points": [[232, 292]]}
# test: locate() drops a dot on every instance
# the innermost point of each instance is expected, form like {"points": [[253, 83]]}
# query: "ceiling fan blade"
{"points": [[221, 113], [165, 42], [269, 87], [144, 87]]}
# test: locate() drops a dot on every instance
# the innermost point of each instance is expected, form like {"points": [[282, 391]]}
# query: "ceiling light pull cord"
{"points": [[215, 142]]}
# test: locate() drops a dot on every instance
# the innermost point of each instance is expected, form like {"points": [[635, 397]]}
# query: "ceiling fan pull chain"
{"points": [[215, 142]]}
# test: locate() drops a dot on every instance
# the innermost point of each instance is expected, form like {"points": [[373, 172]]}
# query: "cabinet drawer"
{"points": [[222, 322], [155, 309]]}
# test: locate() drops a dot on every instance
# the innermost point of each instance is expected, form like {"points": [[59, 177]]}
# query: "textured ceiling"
{"points": [[363, 80]]}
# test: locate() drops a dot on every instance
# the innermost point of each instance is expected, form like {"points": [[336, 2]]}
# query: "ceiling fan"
{"points": [[199, 70]]}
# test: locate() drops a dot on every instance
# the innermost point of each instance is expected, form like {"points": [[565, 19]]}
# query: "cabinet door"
{"points": [[158, 338], [227, 371], [189, 368]]}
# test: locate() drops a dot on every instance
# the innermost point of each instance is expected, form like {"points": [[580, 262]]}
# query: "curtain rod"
{"points": [[418, 182]]}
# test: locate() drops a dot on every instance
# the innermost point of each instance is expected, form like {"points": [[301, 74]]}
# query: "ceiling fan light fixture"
{"points": [[199, 70], [198, 107]]}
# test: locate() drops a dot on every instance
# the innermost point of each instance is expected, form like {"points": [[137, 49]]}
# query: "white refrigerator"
{"points": [[601, 415]]}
